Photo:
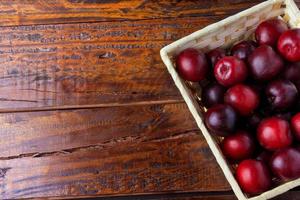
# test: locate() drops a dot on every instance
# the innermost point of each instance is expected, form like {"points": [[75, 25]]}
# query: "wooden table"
{"points": [[88, 109]]}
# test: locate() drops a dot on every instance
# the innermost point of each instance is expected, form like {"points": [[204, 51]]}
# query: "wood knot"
{"points": [[106, 55], [3, 171], [94, 1]]}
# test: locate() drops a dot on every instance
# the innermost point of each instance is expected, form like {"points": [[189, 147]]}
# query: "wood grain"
{"points": [[198, 197], [25, 12], [291, 195], [145, 30], [94, 64], [104, 53], [43, 132], [78, 65], [182, 163], [188, 196], [217, 195]]}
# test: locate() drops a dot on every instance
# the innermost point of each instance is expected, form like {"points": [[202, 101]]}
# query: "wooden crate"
{"points": [[224, 34]]}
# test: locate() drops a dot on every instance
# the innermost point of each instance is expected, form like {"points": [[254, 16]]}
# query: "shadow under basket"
{"points": [[224, 34]]}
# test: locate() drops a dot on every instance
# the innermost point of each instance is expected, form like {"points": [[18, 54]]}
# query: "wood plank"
{"points": [[291, 195], [145, 30], [42, 132], [190, 197], [182, 196], [217, 195], [72, 64], [89, 64], [55, 66], [182, 163], [24, 12], [83, 74]]}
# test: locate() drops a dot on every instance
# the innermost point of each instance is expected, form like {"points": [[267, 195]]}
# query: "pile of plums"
{"points": [[253, 103]]}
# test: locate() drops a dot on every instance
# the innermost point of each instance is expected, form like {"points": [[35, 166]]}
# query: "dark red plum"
{"points": [[239, 146], [253, 176], [289, 45], [221, 119], [243, 49], [215, 55], [281, 94], [292, 73], [213, 94], [230, 71], [268, 32], [192, 65], [295, 124], [265, 156], [285, 163], [274, 133], [242, 98], [265, 63]]}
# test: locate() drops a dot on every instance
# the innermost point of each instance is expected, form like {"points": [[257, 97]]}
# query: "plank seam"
{"points": [[106, 144], [94, 106], [123, 20]]}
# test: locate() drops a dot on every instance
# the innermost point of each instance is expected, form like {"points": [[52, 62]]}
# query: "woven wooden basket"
{"points": [[224, 34]]}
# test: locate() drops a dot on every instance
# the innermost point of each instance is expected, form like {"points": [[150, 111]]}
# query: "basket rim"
{"points": [[164, 52], [224, 22]]}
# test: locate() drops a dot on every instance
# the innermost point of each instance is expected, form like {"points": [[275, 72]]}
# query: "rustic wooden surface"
{"points": [[87, 108]]}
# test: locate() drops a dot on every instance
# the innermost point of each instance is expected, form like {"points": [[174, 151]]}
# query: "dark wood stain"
{"points": [[87, 108], [3, 172], [62, 130], [75, 60], [94, 1], [65, 11], [102, 171]]}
